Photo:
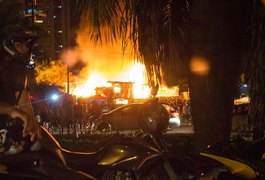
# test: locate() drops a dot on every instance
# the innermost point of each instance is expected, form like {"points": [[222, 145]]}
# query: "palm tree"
{"points": [[181, 34], [132, 21]]}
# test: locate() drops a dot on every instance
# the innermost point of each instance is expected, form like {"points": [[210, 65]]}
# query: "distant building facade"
{"points": [[57, 23]]}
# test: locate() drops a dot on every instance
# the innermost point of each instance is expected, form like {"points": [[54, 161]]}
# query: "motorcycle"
{"points": [[142, 156], [40, 159], [235, 159], [88, 122], [122, 157]]}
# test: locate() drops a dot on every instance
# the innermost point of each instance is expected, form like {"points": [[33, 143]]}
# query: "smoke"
{"points": [[71, 56], [107, 59]]}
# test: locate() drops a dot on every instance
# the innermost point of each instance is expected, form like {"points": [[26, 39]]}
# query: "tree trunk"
{"points": [[255, 70], [216, 29]]}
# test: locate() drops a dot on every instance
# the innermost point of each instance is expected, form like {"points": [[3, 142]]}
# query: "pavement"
{"points": [[184, 128]]}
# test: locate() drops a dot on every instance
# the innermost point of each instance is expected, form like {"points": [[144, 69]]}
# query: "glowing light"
{"points": [[110, 62], [135, 73], [55, 97], [199, 65], [88, 88], [141, 91], [117, 89]]}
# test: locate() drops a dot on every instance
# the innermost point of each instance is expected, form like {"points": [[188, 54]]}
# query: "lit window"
{"points": [[60, 31], [59, 7], [38, 21], [54, 17], [29, 11]]}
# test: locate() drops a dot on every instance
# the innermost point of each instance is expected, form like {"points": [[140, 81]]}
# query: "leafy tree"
{"points": [[54, 73], [157, 30]]}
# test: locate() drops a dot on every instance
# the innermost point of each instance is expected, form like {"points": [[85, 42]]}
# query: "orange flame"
{"points": [[135, 74], [105, 63]]}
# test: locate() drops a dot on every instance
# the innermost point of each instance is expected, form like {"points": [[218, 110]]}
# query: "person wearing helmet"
{"points": [[16, 47], [17, 43]]}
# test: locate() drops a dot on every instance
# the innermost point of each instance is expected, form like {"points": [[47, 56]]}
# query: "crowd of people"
{"points": [[181, 105], [68, 114]]}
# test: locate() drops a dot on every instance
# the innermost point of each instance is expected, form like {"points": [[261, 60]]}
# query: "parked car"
{"points": [[126, 118]]}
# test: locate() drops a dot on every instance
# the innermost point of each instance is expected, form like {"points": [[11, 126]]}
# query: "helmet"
{"points": [[18, 34]]}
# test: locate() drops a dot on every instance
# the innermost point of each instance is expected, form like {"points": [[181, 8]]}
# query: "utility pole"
{"points": [[66, 39], [68, 79], [33, 2]]}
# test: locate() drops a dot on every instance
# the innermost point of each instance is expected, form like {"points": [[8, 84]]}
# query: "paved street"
{"points": [[183, 129]]}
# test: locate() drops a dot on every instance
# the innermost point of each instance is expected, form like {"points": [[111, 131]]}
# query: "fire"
{"points": [[141, 91], [107, 65], [135, 74], [88, 87]]}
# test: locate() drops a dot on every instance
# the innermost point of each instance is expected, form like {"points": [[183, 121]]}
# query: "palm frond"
{"points": [[100, 19], [157, 30], [162, 37]]}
